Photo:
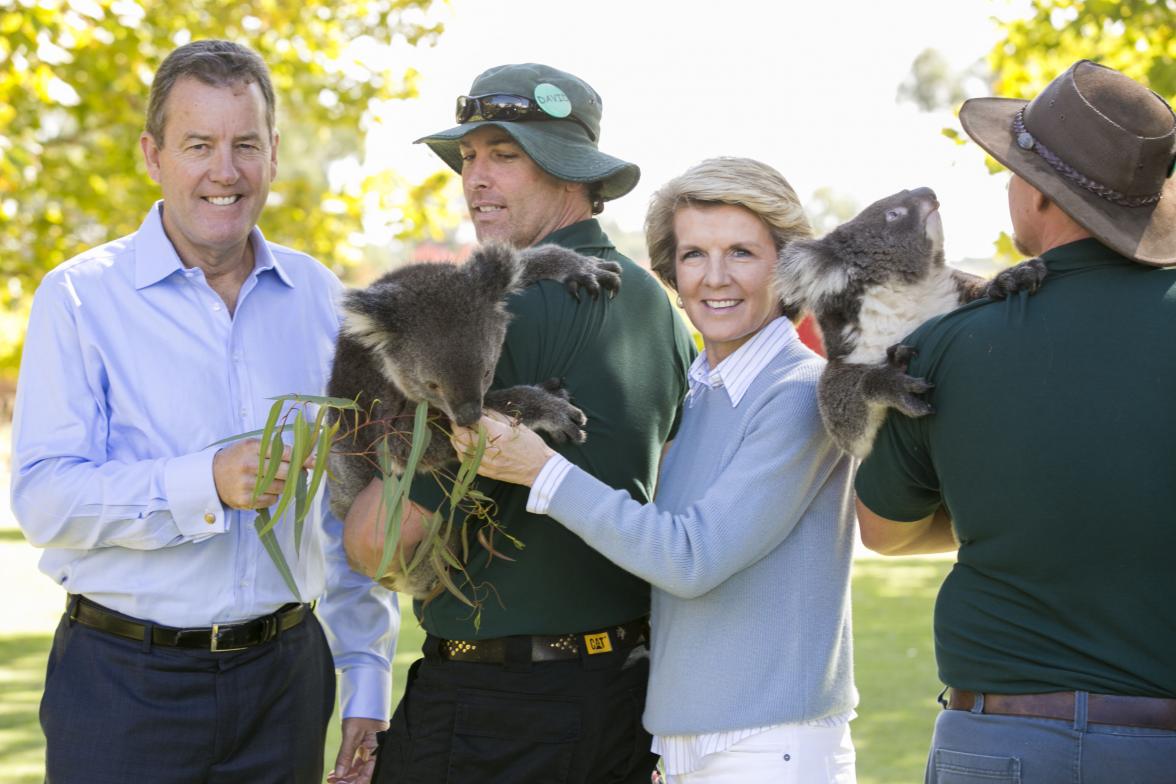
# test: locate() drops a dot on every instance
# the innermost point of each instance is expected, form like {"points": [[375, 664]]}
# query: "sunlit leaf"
{"points": [[299, 451], [267, 433], [251, 434], [269, 541], [271, 471]]}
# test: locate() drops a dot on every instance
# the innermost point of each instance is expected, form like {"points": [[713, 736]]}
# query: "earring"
{"points": [[681, 304]]}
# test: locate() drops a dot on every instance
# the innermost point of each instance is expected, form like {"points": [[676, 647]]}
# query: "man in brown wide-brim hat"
{"points": [[1050, 461]]}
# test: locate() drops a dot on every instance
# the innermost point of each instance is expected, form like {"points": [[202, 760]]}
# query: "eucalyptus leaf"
{"points": [[267, 433], [322, 458], [447, 581], [340, 403], [299, 451], [250, 434], [269, 541], [271, 468], [300, 508]]}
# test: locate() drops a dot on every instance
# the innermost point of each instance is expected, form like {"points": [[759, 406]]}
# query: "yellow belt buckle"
{"points": [[597, 643]]}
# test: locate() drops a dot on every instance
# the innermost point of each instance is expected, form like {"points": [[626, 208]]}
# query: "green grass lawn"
{"points": [[895, 674]]}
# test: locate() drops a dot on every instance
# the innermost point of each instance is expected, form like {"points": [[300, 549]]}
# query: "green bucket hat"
{"points": [[552, 115]]}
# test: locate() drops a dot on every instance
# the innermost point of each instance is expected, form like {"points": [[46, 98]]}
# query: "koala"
{"points": [[869, 283], [434, 332]]}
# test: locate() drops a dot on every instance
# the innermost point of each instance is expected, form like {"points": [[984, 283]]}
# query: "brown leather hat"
{"points": [[1101, 146]]}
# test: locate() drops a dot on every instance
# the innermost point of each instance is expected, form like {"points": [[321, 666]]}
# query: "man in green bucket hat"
{"points": [[550, 685]]}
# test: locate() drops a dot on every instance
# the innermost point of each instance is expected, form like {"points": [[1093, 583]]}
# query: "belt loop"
{"points": [[148, 636], [1081, 704], [71, 607], [978, 705], [516, 654]]}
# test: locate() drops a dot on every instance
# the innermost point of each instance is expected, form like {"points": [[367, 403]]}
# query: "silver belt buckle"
{"points": [[214, 641]]}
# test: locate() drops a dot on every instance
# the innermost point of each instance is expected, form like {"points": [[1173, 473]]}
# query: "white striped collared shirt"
{"points": [[739, 369]]}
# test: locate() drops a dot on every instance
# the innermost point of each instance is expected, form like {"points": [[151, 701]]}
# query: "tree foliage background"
{"points": [[1133, 36], [74, 79]]}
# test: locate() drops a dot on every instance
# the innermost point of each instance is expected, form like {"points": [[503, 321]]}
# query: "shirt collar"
{"points": [[156, 257], [1081, 253], [581, 236], [737, 371]]}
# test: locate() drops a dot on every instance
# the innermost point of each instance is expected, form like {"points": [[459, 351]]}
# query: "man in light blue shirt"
{"points": [[181, 656]]}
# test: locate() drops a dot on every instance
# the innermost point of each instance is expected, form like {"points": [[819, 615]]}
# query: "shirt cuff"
{"points": [[192, 497], [365, 693], [551, 475]]}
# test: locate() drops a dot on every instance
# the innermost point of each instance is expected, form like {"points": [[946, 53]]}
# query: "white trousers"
{"points": [[794, 754]]}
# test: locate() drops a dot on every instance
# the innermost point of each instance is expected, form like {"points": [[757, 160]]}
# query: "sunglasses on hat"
{"points": [[509, 108]]}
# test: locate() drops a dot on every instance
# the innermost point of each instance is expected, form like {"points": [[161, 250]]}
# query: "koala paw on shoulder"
{"points": [[573, 270], [1026, 276]]}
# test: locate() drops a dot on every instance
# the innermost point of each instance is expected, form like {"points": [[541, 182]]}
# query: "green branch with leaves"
{"points": [[446, 546]]}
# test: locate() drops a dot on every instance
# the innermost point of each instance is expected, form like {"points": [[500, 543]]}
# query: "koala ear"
{"points": [[494, 268], [807, 271], [365, 314]]}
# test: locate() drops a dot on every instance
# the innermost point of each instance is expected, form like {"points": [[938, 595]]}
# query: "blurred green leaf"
{"points": [[267, 433], [394, 506], [271, 471], [251, 434], [269, 541]]}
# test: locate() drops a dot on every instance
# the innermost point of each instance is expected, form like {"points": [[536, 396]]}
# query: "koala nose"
{"points": [[467, 415], [926, 194]]}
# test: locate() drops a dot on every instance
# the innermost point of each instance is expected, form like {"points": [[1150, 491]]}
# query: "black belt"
{"points": [[1152, 712], [221, 638], [540, 647]]}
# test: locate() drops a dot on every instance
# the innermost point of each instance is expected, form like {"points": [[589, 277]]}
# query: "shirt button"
{"points": [[209, 518], [243, 414]]}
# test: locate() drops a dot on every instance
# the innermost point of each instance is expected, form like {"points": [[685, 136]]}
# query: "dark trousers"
{"points": [[561, 722], [117, 711]]}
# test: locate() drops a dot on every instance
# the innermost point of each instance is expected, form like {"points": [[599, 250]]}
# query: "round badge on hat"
{"points": [[552, 100]]}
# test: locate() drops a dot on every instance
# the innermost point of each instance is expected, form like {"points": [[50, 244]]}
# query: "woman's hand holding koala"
{"points": [[514, 452]]}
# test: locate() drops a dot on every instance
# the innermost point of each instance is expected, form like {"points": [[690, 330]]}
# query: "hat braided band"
{"points": [[1026, 141]]}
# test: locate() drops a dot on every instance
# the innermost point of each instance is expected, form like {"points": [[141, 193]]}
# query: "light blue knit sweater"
{"points": [[748, 546]]}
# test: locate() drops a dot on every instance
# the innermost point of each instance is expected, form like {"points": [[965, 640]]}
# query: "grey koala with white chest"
{"points": [[869, 283], [434, 332]]}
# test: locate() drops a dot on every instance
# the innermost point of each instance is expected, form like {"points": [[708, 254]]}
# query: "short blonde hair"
{"points": [[741, 182]]}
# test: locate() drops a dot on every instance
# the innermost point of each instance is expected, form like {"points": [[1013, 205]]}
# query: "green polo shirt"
{"points": [[624, 360], [1053, 447]]}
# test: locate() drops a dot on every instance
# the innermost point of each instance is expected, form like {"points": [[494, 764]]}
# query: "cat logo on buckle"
{"points": [[597, 643]]}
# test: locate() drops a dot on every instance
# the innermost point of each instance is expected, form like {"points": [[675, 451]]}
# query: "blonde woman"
{"points": [[749, 541]]}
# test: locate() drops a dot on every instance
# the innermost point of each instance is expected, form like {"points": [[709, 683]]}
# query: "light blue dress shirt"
{"points": [[132, 368]]}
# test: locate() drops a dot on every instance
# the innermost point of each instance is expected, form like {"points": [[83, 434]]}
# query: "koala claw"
{"points": [[914, 407], [571, 429], [565, 422], [1026, 276], [576, 282], [908, 401], [593, 282]]}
